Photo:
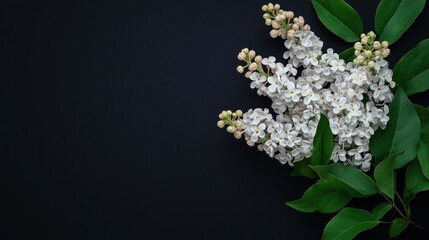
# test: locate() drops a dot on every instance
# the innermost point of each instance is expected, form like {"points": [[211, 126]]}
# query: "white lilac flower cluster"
{"points": [[354, 95]]}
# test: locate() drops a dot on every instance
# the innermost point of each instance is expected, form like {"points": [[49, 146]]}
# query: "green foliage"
{"points": [[415, 181], [348, 55], [340, 18], [350, 179], [322, 197], [398, 226], [384, 175], [394, 17], [423, 150], [411, 73], [348, 223], [402, 133], [323, 143], [381, 209]]}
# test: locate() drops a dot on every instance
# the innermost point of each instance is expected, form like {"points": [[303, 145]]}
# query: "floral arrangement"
{"points": [[342, 119]]}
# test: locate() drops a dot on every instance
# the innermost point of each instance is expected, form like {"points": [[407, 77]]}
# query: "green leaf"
{"points": [[411, 73], [340, 18], [394, 17], [423, 150], [347, 178], [381, 209], [348, 55], [323, 143], [384, 176], [348, 223], [398, 226], [302, 168], [322, 197], [401, 135], [415, 181]]}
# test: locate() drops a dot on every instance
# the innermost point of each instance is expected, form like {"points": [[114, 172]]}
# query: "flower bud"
{"points": [[295, 27], [258, 59], [357, 52], [266, 16], [241, 56], [240, 69], [234, 115], [360, 58], [221, 124], [239, 113], [253, 66], [364, 40], [358, 46], [248, 74], [237, 135], [252, 54], [268, 22], [274, 33], [385, 52], [291, 34], [230, 129], [376, 45], [245, 50], [385, 44], [229, 112], [289, 15], [355, 61], [277, 6], [371, 64], [265, 8], [276, 25], [362, 35], [250, 143], [368, 53], [377, 53], [306, 27], [372, 35], [260, 147]]}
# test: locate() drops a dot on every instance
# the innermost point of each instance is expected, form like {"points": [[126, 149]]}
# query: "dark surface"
{"points": [[108, 125]]}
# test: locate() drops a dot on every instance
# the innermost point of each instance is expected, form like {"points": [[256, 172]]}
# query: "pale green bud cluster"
{"points": [[252, 62], [283, 22], [368, 50], [233, 122]]}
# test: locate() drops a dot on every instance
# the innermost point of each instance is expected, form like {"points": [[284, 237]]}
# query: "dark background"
{"points": [[108, 125]]}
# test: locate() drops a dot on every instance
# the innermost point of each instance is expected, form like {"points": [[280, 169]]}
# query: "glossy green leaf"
{"points": [[340, 18], [348, 223], [394, 17], [302, 168], [411, 73], [415, 181], [401, 135], [381, 209], [322, 197], [397, 227], [347, 178], [423, 150], [323, 143], [384, 176], [348, 55]]}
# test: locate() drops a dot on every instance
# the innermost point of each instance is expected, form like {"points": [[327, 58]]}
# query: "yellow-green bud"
{"points": [[266, 16], [371, 64], [385, 44], [372, 35], [376, 45], [265, 8], [240, 69], [239, 113]]}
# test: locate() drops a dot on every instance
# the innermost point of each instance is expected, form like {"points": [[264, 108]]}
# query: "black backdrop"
{"points": [[108, 125]]}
